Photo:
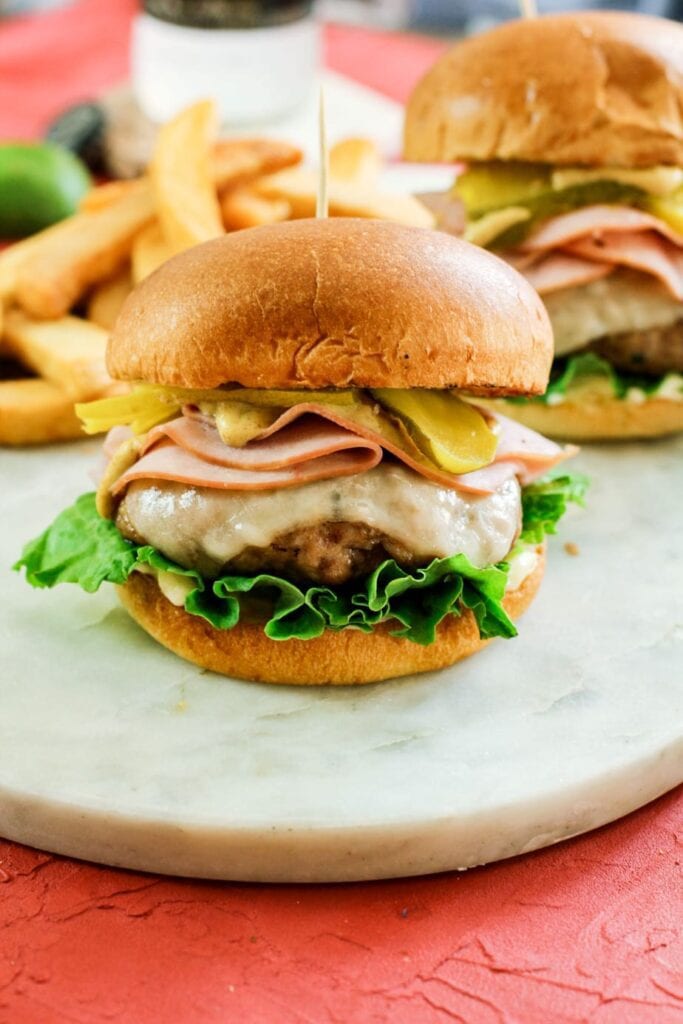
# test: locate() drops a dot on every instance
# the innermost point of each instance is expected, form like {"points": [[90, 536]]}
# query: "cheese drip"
{"points": [[205, 529]]}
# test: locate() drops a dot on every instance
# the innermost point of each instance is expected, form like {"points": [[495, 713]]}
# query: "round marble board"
{"points": [[114, 750]]}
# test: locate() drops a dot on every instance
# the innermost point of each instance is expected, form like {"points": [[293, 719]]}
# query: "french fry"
{"points": [[242, 208], [107, 298], [11, 260], [63, 262], [239, 161], [33, 411], [68, 352], [104, 195], [13, 257], [235, 161], [355, 160], [182, 178], [346, 199], [150, 250]]}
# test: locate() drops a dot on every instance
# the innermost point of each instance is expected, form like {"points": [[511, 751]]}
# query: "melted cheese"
{"points": [[522, 564], [657, 181], [205, 529], [174, 587], [624, 301]]}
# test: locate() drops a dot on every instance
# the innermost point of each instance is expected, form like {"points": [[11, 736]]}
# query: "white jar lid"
{"points": [[254, 74]]}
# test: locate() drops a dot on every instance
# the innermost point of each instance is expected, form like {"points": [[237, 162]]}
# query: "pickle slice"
{"points": [[492, 225], [491, 186], [488, 189], [669, 209], [453, 434]]}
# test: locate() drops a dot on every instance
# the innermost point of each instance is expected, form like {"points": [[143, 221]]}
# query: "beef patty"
{"points": [[329, 553], [654, 352]]}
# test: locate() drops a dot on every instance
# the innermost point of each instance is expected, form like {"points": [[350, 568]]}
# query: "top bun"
{"points": [[597, 89], [335, 303]]}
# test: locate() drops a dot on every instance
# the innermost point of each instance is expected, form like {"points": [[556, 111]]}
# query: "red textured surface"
{"points": [[386, 61], [52, 60], [590, 931]]}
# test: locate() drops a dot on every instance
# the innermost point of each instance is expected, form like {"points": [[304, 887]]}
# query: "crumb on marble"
{"points": [[571, 548], [181, 705]]}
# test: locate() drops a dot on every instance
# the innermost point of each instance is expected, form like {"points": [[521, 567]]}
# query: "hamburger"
{"points": [[293, 491], [571, 127]]}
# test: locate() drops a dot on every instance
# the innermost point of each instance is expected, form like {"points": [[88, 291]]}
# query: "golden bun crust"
{"points": [[347, 657], [335, 303], [598, 418], [595, 89], [33, 411]]}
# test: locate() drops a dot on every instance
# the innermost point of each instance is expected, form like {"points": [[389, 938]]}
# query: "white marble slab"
{"points": [[114, 750]]}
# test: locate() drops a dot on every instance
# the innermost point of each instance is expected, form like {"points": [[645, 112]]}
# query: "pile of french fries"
{"points": [[61, 290]]}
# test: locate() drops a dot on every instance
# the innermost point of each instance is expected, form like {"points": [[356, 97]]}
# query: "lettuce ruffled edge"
{"points": [[570, 371], [83, 548]]}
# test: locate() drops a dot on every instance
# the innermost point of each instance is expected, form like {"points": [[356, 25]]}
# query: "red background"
{"points": [[589, 931]]}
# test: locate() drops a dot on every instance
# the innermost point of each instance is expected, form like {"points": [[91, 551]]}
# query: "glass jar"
{"points": [[256, 58]]}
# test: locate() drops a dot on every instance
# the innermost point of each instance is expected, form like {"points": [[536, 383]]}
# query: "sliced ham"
{"points": [[310, 442], [167, 461], [522, 453], [640, 250], [587, 244], [557, 270], [529, 453], [292, 443], [337, 426], [560, 231], [114, 440], [481, 482]]}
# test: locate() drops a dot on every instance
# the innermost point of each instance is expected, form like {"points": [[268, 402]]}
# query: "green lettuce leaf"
{"points": [[575, 369], [545, 502], [81, 547]]}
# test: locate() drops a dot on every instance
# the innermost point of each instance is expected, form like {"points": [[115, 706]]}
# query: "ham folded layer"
{"points": [[313, 442], [579, 247]]}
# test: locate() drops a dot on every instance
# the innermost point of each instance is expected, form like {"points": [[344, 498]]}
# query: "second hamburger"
{"points": [[572, 131]]}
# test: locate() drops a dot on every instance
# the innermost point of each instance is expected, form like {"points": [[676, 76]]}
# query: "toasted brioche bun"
{"points": [[34, 411], [598, 418], [335, 303], [594, 89], [347, 657]]}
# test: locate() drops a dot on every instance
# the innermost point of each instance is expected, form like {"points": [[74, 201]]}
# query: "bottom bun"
{"points": [[347, 657], [598, 418], [33, 411]]}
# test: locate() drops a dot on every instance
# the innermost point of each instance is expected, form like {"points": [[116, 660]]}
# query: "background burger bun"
{"points": [[598, 418], [347, 657], [335, 303], [594, 89]]}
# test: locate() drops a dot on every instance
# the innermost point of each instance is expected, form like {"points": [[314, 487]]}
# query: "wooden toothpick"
{"points": [[321, 206], [528, 8]]}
